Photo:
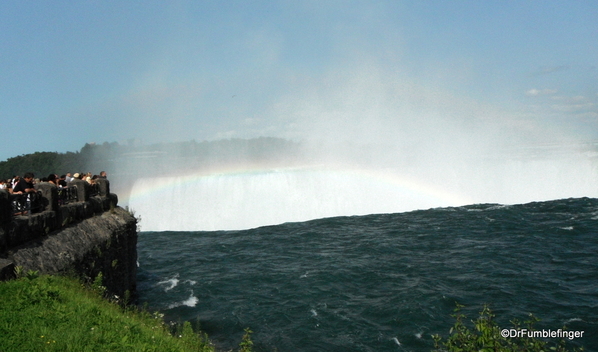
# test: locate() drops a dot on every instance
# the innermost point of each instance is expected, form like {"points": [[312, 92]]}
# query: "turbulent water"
{"points": [[379, 282]]}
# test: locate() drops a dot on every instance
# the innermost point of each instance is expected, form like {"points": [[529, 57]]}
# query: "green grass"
{"points": [[54, 313]]}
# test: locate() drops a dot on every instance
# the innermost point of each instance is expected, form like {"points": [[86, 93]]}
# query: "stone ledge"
{"points": [[7, 269], [106, 243], [24, 228]]}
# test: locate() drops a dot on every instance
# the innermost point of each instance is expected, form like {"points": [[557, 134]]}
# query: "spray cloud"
{"points": [[371, 141]]}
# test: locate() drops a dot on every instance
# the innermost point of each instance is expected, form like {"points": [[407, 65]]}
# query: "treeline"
{"points": [[114, 157], [44, 163], [41, 164]]}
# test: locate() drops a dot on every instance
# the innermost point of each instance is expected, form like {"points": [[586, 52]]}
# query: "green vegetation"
{"points": [[90, 157], [246, 344], [41, 164], [486, 336], [108, 156], [54, 313]]}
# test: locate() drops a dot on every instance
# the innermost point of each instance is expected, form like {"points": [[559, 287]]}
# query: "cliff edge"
{"points": [[84, 234], [105, 243]]}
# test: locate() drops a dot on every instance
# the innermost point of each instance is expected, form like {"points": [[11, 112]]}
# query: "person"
{"points": [[69, 178], [52, 178], [15, 180], [62, 181], [103, 174], [9, 185], [2, 184], [25, 185]]}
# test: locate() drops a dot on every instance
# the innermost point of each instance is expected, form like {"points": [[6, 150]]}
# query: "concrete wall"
{"points": [[83, 238]]}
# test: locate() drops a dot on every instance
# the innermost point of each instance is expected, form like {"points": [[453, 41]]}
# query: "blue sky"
{"points": [[73, 72]]}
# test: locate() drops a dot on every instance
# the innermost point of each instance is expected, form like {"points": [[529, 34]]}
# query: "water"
{"points": [[379, 282], [251, 196], [249, 199]]}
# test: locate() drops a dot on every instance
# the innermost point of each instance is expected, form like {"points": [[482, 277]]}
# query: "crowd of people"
{"points": [[26, 184]]}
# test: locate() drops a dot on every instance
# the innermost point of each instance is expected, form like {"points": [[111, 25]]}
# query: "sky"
{"points": [[503, 72]]}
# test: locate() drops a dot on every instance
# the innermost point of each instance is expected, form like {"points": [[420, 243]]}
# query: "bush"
{"points": [[486, 336]]}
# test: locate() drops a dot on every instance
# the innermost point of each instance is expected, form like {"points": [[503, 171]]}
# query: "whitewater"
{"points": [[254, 195]]}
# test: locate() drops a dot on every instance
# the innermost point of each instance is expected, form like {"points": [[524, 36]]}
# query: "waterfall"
{"points": [[257, 198]]}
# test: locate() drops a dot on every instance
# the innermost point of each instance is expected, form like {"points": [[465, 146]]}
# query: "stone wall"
{"points": [[84, 238]]}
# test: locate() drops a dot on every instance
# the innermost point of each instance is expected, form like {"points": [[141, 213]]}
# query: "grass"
{"points": [[54, 313]]}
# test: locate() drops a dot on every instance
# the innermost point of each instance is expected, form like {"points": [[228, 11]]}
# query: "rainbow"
{"points": [[252, 197], [408, 184]]}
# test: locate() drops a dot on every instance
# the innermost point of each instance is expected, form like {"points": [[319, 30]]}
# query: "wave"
{"points": [[170, 283], [189, 302]]}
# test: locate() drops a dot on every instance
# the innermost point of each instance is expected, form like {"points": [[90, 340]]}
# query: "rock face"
{"points": [[88, 236], [106, 243]]}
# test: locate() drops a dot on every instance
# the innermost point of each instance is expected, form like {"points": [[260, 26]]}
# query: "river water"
{"points": [[381, 282]]}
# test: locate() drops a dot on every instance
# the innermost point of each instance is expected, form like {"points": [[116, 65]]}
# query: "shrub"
{"points": [[486, 336]]}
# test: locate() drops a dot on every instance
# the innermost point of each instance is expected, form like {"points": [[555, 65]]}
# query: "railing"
{"points": [[94, 190], [67, 195], [50, 197], [24, 217], [26, 203]]}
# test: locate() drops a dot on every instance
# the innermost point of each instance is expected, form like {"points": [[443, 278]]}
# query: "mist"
{"points": [[383, 107], [367, 141]]}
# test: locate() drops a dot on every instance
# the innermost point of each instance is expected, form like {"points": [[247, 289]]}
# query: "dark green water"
{"points": [[380, 282]]}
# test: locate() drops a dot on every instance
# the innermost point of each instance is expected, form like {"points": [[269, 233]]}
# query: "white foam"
{"points": [[170, 283], [189, 302], [572, 320]]}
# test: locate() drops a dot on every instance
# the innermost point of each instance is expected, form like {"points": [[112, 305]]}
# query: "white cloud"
{"points": [[573, 104], [575, 99], [573, 107], [551, 69], [538, 92]]}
